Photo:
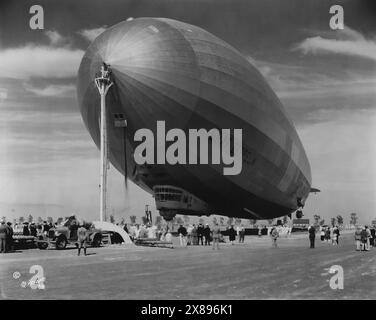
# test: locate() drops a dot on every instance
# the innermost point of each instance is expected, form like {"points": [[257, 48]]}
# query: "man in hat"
{"points": [[358, 238], [3, 237], [207, 234], [241, 233], [364, 238], [312, 236], [274, 234], [9, 239], [82, 237], [182, 231], [200, 234]]}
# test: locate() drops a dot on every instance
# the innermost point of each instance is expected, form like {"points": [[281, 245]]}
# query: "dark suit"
{"points": [[207, 235], [312, 236], [9, 239], [3, 237]]}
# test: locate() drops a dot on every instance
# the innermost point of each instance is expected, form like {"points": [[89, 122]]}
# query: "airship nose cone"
{"points": [[154, 70]]}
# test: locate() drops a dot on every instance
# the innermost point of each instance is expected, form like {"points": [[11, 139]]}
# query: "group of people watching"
{"points": [[195, 235], [204, 235], [33, 229], [277, 231], [137, 231], [6, 237], [365, 238], [7, 230], [329, 234]]}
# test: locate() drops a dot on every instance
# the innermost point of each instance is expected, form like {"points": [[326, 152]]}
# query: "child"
{"points": [[334, 239]]}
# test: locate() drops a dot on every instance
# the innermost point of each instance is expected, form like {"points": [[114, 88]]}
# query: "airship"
{"points": [[169, 71]]}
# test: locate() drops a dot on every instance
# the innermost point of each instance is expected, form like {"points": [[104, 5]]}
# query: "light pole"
{"points": [[103, 83]]}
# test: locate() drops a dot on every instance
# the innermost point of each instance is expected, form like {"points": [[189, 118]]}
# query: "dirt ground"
{"points": [[250, 270]]}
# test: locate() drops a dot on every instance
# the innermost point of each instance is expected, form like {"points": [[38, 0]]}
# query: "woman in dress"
{"points": [[232, 234]]}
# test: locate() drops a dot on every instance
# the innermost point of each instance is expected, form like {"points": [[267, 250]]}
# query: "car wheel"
{"points": [[97, 240], [42, 245], [61, 243]]}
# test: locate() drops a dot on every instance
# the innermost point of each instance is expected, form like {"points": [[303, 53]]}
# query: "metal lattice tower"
{"points": [[103, 83]]}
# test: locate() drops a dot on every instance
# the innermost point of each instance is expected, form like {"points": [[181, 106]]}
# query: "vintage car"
{"points": [[66, 234]]}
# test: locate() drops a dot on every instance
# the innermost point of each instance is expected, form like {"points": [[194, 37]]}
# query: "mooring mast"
{"points": [[103, 83]]}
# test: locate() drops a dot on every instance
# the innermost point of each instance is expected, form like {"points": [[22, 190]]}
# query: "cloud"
{"points": [[91, 34], [39, 61], [55, 37], [348, 42], [3, 94], [313, 96], [291, 81], [343, 157], [52, 90]]}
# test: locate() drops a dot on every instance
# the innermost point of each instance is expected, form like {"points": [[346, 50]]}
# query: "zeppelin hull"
{"points": [[168, 70]]}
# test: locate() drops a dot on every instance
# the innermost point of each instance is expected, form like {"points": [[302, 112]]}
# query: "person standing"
{"points": [[216, 234], [137, 231], [26, 230], [207, 234], [289, 232], [9, 237], [159, 233], [3, 237], [364, 238], [322, 233], [274, 236], [241, 234], [190, 238], [168, 236], [312, 236], [46, 227], [232, 234], [194, 235], [200, 234], [336, 231], [238, 232], [163, 233], [259, 232], [82, 238], [368, 238], [327, 234], [182, 235], [358, 238], [373, 236], [33, 230]]}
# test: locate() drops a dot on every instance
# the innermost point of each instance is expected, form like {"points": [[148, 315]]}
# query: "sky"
{"points": [[326, 79]]}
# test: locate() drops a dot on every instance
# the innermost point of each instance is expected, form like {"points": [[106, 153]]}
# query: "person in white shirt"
{"points": [[189, 234], [322, 233], [238, 232]]}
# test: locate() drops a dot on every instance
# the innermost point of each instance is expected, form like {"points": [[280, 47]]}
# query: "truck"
{"points": [[66, 234]]}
